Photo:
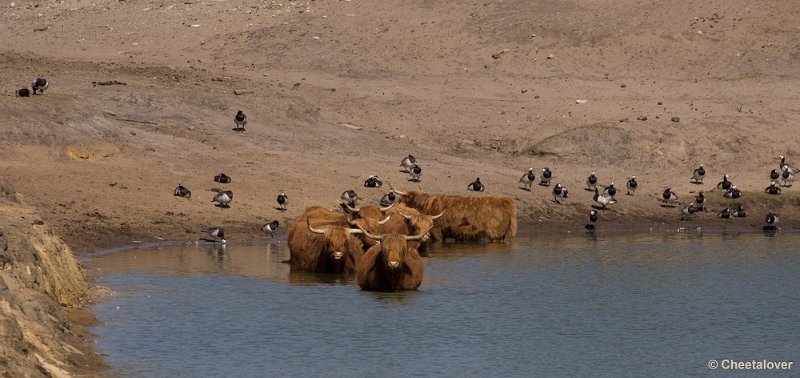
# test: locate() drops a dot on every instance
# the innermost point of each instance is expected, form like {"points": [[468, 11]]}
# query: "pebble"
{"points": [[550, 56], [581, 101], [676, 119], [699, 32], [496, 55]]}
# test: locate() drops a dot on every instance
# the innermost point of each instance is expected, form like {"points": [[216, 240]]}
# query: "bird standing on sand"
{"points": [[610, 191], [739, 212], [476, 185], [686, 212], [350, 198], [698, 174], [631, 185], [725, 183], [559, 192], [591, 220], [23, 92], [700, 200], [240, 119], [591, 182], [772, 189], [415, 171], [546, 176], [182, 191], [787, 176], [603, 199], [388, 199], [373, 182], [283, 200], [733, 193], [407, 163], [40, 84], [217, 233], [774, 175], [527, 179], [222, 178], [669, 197], [269, 228], [223, 198], [771, 220], [725, 214], [784, 163]]}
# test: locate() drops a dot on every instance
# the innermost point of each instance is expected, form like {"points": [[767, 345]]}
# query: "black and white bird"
{"points": [[559, 193], [270, 228], [771, 221], [632, 185], [772, 189], [476, 185], [725, 183], [787, 176], [222, 178], [591, 220], [591, 182], [739, 211], [388, 199], [610, 190], [774, 175], [527, 179], [23, 92], [182, 191], [373, 182], [407, 163], [733, 193], [350, 198], [40, 84], [415, 171], [725, 214], [669, 197], [223, 198], [283, 200], [546, 176], [791, 167], [700, 201], [217, 233], [240, 119], [686, 212], [698, 174], [603, 199]]}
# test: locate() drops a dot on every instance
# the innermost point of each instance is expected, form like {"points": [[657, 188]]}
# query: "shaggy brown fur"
{"points": [[467, 217], [321, 217], [411, 224], [314, 252], [376, 274]]}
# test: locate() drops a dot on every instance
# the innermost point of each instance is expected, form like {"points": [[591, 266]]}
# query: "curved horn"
{"points": [[312, 229], [404, 216], [350, 208], [349, 220], [371, 236], [399, 192], [389, 207], [418, 236], [353, 231], [384, 220], [438, 216]]}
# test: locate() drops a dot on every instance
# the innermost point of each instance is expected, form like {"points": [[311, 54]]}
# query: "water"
{"points": [[644, 305]]}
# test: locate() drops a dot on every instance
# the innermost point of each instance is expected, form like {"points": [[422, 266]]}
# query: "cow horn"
{"points": [[388, 207], [371, 236], [418, 236], [404, 216], [312, 229], [399, 192], [355, 231], [438, 216], [384, 220], [350, 208]]}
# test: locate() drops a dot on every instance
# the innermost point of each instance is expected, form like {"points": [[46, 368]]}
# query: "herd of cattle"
{"points": [[381, 245]]}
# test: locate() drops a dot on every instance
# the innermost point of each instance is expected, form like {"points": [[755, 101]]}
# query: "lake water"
{"points": [[621, 305]]}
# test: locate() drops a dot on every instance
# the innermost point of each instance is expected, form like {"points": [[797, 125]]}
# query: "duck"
{"points": [[547, 175], [771, 221], [373, 182], [240, 119], [350, 198], [772, 189], [725, 183], [631, 185], [700, 201], [725, 214], [603, 199], [269, 228], [739, 212], [559, 192], [217, 233], [686, 212], [40, 84], [610, 190], [791, 167], [182, 191], [476, 185], [787, 176], [223, 198], [591, 182], [283, 200], [222, 178], [416, 172], [407, 163], [733, 192], [527, 179], [23, 92], [698, 174], [388, 199], [591, 220], [774, 175], [669, 197]]}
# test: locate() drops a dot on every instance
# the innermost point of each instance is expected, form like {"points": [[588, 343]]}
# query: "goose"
{"points": [[725, 214], [739, 212], [547, 175], [476, 185], [725, 183], [774, 175], [240, 119], [632, 185], [407, 163], [283, 200], [733, 192], [610, 190], [388, 199], [416, 172], [269, 228], [23, 92], [772, 189], [373, 182], [698, 174], [40, 84], [591, 182], [217, 233], [350, 197], [559, 192], [669, 197], [603, 199], [700, 200], [223, 198], [771, 220], [222, 178], [787, 176], [527, 179], [182, 191], [791, 167], [686, 212], [591, 220]]}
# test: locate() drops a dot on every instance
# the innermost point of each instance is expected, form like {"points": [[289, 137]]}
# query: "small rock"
{"points": [[581, 101], [38, 222], [675, 119], [533, 35], [699, 32], [191, 128], [661, 103], [623, 85], [550, 56], [240, 92], [496, 55], [536, 97], [468, 141], [194, 25], [642, 118], [524, 91], [402, 136]]}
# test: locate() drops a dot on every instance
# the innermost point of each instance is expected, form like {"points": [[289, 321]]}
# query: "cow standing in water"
{"points": [[391, 265], [329, 249]]}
